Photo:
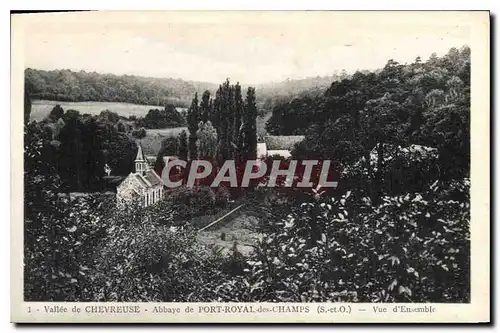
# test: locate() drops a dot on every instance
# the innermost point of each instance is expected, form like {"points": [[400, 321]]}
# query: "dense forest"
{"points": [[66, 85], [425, 103], [275, 93]]}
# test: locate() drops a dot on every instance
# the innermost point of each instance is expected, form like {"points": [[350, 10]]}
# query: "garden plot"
{"points": [[242, 230]]}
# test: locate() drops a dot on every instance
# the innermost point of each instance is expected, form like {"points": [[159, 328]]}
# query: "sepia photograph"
{"points": [[236, 158]]}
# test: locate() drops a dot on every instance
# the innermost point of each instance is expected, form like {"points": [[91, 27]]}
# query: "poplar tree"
{"points": [[183, 146], [205, 106], [249, 127], [193, 118], [237, 121], [207, 140], [233, 120]]}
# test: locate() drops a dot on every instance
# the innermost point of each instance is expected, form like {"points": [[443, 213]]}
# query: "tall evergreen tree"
{"points": [[193, 118], [230, 115], [205, 106], [207, 140], [216, 111], [237, 121], [249, 128], [169, 147], [93, 168], [227, 118], [223, 120], [225, 113], [183, 146]]}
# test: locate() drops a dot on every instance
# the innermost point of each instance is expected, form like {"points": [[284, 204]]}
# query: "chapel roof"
{"points": [[152, 177]]}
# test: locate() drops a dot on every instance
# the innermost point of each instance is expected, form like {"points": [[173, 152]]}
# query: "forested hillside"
{"points": [[426, 103], [275, 93], [70, 86], [66, 85]]}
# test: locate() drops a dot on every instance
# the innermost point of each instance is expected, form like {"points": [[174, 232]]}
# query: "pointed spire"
{"points": [[140, 156], [141, 166]]}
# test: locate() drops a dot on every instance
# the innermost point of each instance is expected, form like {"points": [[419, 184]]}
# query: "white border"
{"points": [[478, 4]]}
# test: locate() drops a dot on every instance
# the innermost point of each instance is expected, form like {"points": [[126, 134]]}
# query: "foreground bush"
{"points": [[59, 245], [151, 263], [410, 248], [192, 201]]}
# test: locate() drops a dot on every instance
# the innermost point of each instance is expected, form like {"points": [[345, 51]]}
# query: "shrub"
{"points": [[192, 201], [149, 263], [410, 248], [408, 169], [139, 133], [58, 254]]}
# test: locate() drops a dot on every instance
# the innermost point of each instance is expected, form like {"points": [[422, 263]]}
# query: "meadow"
{"points": [[41, 108]]}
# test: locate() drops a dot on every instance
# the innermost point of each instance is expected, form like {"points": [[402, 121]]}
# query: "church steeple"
{"points": [[140, 163]]}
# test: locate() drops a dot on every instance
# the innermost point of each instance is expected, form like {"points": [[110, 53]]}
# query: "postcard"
{"points": [[246, 167]]}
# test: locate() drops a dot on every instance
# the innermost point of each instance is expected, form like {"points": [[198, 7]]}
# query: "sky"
{"points": [[251, 47]]}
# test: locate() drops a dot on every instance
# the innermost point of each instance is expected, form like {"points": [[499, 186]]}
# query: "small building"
{"points": [[144, 184], [281, 145]]}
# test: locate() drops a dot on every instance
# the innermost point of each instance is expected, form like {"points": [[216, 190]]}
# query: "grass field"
{"points": [[41, 108]]}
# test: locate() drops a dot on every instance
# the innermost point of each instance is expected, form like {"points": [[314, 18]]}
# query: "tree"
{"points": [[385, 121], [172, 117], [93, 155], [139, 133], [446, 127], [80, 157], [56, 113], [119, 151], [169, 147], [121, 127], [155, 118], [207, 140], [237, 141], [193, 118], [183, 146], [249, 127], [109, 116], [222, 119], [41, 179], [205, 106]]}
